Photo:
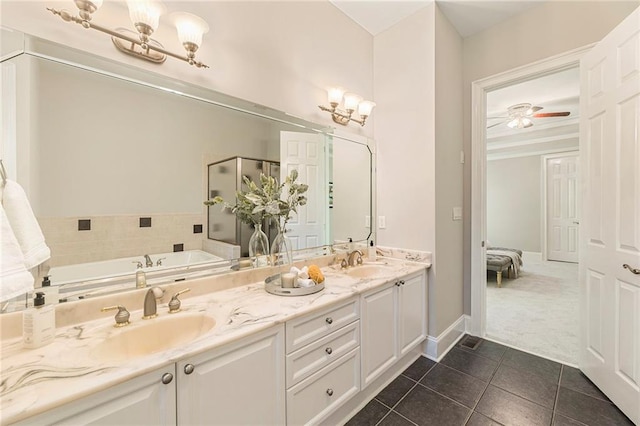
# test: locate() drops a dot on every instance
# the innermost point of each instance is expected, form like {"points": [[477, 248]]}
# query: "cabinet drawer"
{"points": [[302, 331], [306, 361], [314, 398]]}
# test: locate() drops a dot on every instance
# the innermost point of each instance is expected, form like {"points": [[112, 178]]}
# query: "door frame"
{"points": [[479, 90]]}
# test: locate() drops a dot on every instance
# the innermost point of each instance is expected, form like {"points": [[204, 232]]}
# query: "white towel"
{"points": [[24, 225], [14, 277], [301, 273]]}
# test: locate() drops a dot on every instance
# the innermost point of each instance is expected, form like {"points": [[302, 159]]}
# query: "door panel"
{"points": [[562, 207], [610, 128]]}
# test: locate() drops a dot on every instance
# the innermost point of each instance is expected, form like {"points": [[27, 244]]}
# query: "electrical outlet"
{"points": [[382, 222], [367, 221], [461, 157]]}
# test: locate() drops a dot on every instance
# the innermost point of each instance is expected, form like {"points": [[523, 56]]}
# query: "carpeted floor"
{"points": [[538, 311]]}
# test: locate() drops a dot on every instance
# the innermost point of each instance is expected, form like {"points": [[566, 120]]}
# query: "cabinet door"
{"points": [[412, 319], [239, 384], [145, 400], [379, 332]]}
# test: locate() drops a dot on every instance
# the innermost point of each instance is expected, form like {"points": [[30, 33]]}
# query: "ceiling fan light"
{"points": [[525, 123], [513, 123]]}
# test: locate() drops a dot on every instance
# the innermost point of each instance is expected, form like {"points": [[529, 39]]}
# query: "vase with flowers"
{"points": [[266, 201], [291, 196]]}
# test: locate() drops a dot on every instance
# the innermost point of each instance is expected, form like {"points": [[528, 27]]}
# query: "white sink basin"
{"points": [[154, 335], [368, 270]]}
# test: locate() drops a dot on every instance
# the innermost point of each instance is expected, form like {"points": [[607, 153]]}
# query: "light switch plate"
{"points": [[382, 222], [457, 213], [367, 221]]}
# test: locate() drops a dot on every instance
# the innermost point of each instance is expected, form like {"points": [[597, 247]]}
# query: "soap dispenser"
{"points": [[38, 323], [371, 251], [50, 292], [141, 279]]}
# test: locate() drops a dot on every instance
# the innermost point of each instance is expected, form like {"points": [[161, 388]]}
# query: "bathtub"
{"points": [[117, 271]]}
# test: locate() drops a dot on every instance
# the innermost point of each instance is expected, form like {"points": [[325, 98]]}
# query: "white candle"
{"points": [[288, 279]]}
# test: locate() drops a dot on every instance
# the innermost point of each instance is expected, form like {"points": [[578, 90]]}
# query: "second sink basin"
{"points": [[369, 270], [153, 335]]}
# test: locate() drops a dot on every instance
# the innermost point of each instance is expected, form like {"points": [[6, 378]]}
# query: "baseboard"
{"points": [[435, 348], [532, 256]]}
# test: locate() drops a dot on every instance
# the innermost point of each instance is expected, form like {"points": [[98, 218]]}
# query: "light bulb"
{"points": [[365, 107], [190, 29], [145, 13], [335, 94], [351, 101]]}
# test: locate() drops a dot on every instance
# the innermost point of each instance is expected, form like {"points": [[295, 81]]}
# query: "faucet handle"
{"points": [[138, 264], [159, 261], [122, 317], [174, 303], [359, 260], [343, 264]]}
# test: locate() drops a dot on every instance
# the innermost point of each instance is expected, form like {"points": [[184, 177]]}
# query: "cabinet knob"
{"points": [[329, 351], [402, 282], [330, 392], [329, 320], [167, 378], [189, 368], [397, 283]]}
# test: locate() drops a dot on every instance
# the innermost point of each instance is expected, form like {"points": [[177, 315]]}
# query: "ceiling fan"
{"points": [[519, 116]]}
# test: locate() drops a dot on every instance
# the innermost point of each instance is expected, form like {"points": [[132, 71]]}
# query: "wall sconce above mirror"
{"points": [[352, 102], [145, 16]]}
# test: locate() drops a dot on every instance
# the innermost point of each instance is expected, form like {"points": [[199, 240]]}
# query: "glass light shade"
{"points": [[97, 3], [351, 101], [190, 27], [335, 95], [145, 12], [365, 107], [520, 123]]}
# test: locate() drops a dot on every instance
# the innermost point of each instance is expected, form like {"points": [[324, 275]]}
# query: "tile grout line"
{"points": [[405, 394]]}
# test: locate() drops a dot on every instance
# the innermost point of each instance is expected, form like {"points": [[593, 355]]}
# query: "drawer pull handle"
{"points": [[329, 320], [189, 368], [329, 351], [330, 392], [167, 378]]}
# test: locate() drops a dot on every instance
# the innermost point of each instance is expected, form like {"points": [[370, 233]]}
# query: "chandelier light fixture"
{"points": [[352, 102], [145, 17]]}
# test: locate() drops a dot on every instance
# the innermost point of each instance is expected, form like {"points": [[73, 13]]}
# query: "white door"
{"points": [[305, 153], [562, 208], [610, 231]]}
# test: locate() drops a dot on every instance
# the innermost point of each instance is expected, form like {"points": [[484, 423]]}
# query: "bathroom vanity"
{"points": [[265, 360]]}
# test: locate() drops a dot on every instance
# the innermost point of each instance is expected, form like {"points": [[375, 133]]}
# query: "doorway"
{"points": [[502, 149]]}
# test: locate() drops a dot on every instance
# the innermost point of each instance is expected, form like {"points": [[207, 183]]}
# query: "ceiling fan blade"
{"points": [[551, 114]]}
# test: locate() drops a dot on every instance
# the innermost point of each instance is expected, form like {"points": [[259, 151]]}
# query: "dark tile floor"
{"points": [[489, 385]]}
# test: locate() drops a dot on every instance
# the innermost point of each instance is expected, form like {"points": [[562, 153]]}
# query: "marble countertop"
{"points": [[36, 380]]}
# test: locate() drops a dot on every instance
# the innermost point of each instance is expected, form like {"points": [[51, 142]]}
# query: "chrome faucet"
{"points": [[351, 258], [150, 306], [148, 261]]}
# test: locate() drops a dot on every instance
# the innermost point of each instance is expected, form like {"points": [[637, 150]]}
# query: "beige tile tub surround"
{"points": [[119, 236], [237, 301]]}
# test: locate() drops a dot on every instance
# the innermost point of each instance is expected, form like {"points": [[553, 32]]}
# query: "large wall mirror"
{"points": [[117, 164]]}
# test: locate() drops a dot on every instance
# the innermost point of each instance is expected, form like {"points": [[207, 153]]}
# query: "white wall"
{"points": [[418, 89], [447, 293], [546, 30], [514, 203], [281, 54]]}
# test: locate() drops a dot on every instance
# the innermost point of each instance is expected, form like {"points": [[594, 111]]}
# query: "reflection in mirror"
{"points": [[116, 170]]}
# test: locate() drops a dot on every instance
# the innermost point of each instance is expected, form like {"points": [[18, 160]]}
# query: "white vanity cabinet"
{"points": [[146, 400], [323, 362], [393, 322], [238, 384]]}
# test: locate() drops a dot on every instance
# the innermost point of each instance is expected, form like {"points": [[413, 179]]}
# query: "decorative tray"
{"points": [[272, 285]]}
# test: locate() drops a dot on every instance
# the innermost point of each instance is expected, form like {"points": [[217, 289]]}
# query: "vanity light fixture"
{"points": [[145, 16], [352, 102]]}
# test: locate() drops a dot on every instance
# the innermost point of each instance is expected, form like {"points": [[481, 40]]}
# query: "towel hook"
{"points": [[3, 172]]}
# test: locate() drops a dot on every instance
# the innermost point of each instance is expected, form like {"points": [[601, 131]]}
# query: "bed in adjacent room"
{"points": [[501, 259]]}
